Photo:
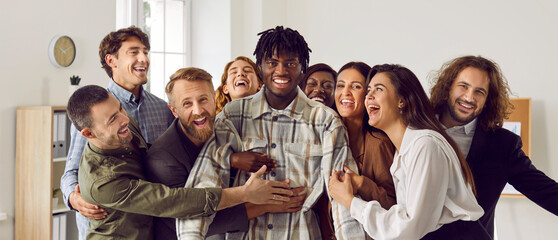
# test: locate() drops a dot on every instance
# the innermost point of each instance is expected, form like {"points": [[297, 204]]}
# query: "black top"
{"points": [[169, 161], [496, 158]]}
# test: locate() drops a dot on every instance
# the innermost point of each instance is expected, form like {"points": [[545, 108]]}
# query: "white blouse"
{"points": [[429, 187]]}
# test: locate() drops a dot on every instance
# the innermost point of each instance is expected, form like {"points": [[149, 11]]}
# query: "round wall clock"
{"points": [[62, 51]]}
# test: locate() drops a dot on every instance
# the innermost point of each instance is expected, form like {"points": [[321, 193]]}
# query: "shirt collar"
{"points": [[468, 128], [294, 110], [121, 93]]}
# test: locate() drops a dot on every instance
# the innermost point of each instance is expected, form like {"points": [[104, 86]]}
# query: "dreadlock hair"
{"points": [[278, 40]]}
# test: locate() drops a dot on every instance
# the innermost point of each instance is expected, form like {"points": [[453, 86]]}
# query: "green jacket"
{"points": [[114, 180]]}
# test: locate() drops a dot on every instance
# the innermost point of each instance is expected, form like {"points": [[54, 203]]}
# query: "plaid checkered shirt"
{"points": [[307, 139]]}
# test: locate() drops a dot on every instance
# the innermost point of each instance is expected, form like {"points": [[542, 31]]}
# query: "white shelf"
{"points": [[60, 208]]}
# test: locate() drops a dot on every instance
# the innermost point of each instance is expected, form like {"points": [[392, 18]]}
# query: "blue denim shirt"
{"points": [[153, 116]]}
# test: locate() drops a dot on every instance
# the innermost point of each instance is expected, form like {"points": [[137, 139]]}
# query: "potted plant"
{"points": [[74, 84]]}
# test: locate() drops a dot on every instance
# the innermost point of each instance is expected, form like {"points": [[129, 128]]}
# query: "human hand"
{"points": [[356, 180], [293, 205], [261, 191], [86, 209], [251, 161], [341, 189]]}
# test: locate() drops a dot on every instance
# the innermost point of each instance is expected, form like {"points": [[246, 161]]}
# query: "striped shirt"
{"points": [[307, 139], [153, 116]]}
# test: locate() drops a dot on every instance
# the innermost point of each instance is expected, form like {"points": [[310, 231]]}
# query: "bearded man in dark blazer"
{"points": [[471, 98]]}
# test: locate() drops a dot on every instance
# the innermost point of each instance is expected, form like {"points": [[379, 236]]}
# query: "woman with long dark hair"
{"points": [[433, 183], [370, 147]]}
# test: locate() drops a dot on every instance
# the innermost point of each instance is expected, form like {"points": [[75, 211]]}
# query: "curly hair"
{"points": [[497, 106], [279, 39], [417, 112], [113, 41], [222, 98]]}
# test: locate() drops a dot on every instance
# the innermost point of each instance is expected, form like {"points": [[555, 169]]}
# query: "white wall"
{"points": [[520, 35], [28, 78]]}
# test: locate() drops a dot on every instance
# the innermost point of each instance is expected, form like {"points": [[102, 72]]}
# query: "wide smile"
{"points": [[465, 107], [281, 82], [200, 122], [372, 109], [125, 131], [318, 98], [241, 83], [346, 103], [140, 69]]}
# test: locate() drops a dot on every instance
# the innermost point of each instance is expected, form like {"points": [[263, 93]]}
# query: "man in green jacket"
{"points": [[111, 174]]}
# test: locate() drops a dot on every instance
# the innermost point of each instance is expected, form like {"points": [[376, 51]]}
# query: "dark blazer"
{"points": [[169, 161], [496, 158]]}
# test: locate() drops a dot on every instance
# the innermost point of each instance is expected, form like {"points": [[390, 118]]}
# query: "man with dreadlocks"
{"points": [[306, 138]]}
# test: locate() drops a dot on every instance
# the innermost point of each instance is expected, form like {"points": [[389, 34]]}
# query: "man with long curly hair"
{"points": [[471, 98]]}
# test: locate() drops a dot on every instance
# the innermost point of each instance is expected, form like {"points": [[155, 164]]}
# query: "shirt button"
{"points": [[122, 156], [273, 145], [274, 118], [270, 226], [273, 174], [130, 153]]}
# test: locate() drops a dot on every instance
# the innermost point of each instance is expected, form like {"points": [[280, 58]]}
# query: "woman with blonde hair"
{"points": [[241, 78]]}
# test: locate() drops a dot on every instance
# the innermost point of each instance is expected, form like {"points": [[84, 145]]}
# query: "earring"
{"points": [[401, 111]]}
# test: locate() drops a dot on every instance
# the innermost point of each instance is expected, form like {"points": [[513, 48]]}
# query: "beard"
{"points": [[452, 109], [202, 134], [114, 140]]}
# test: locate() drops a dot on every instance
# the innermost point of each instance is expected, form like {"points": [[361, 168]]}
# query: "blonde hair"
{"points": [[188, 74], [222, 98]]}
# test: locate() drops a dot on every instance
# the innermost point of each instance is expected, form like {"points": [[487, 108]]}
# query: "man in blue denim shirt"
{"points": [[123, 55]]}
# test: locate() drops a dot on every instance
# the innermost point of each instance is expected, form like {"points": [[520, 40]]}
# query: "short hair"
{"points": [[188, 74], [113, 41], [417, 112], [278, 40], [80, 103], [497, 106], [318, 67], [222, 98]]}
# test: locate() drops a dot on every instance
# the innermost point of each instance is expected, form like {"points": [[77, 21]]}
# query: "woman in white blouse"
{"points": [[433, 184]]}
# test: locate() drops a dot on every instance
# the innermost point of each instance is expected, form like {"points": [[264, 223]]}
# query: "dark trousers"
{"points": [[459, 230]]}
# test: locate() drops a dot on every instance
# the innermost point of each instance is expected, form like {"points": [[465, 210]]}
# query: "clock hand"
{"points": [[66, 49], [63, 51]]}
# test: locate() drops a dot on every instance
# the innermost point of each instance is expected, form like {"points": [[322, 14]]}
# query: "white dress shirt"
{"points": [[463, 135], [430, 190]]}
